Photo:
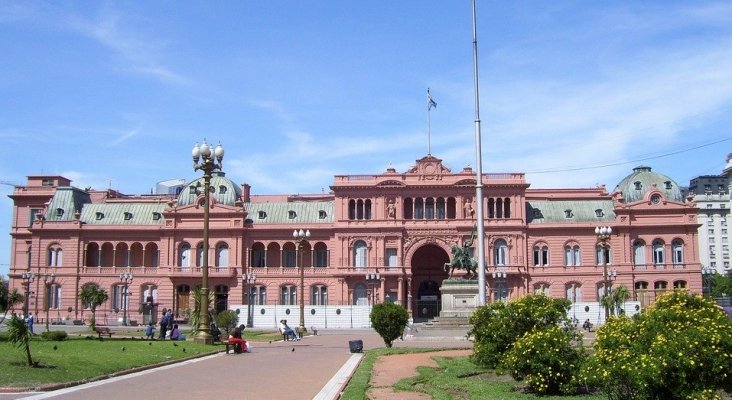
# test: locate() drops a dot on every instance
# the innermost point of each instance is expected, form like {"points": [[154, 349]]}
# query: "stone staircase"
{"points": [[440, 328]]}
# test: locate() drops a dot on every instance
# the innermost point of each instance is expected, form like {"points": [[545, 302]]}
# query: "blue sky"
{"points": [[575, 94]]}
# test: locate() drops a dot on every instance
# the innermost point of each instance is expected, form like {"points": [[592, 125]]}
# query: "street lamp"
{"points": [[28, 278], [500, 276], [48, 280], [207, 160], [707, 280], [603, 235], [126, 279], [248, 280], [300, 236], [374, 280]]}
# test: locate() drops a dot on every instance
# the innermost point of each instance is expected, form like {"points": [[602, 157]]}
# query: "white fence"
{"points": [[319, 317]]}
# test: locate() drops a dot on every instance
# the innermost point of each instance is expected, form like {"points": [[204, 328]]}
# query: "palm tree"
{"points": [[9, 301], [93, 296], [618, 298], [20, 335]]}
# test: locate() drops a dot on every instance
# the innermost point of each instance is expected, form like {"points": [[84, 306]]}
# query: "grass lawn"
{"points": [[453, 378], [78, 359]]}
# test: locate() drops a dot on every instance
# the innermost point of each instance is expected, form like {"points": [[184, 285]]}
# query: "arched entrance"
{"points": [[427, 276]]}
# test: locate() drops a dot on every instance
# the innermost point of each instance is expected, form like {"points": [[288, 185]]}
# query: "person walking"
{"points": [[29, 321], [163, 325]]}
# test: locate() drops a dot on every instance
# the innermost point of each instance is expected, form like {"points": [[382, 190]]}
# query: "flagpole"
{"points": [[479, 171], [429, 131]]}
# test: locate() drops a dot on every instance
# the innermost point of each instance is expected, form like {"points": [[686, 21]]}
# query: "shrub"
{"points": [[497, 326], [679, 348], [389, 321], [227, 320], [546, 359], [57, 336]]}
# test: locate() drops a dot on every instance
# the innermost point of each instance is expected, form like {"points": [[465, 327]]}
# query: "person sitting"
{"points": [[587, 325], [240, 344], [286, 330], [175, 333], [150, 331]]}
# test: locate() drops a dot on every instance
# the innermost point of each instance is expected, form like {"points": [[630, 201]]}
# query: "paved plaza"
{"points": [[315, 367]]}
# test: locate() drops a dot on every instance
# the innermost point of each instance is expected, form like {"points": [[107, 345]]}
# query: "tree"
{"points": [[8, 300], [227, 320], [615, 299], [93, 296], [20, 336], [389, 321], [721, 285], [679, 348]]}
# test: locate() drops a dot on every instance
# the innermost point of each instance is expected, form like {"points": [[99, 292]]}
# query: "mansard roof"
{"points": [[286, 212], [123, 214], [230, 194], [65, 203], [569, 211]]}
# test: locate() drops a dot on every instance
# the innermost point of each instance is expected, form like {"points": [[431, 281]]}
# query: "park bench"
{"points": [[103, 331], [232, 342]]}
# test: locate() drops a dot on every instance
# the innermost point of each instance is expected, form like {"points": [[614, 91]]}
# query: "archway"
{"points": [[428, 272]]}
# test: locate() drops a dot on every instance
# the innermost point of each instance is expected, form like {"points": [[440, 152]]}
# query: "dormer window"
{"points": [[261, 215], [222, 189], [537, 213], [291, 214], [128, 216], [599, 213], [667, 184], [568, 213], [638, 185], [192, 189], [322, 214], [59, 212], [156, 216], [100, 216], [47, 182]]}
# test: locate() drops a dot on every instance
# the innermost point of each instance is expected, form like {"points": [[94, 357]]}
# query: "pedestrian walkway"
{"points": [[315, 367]]}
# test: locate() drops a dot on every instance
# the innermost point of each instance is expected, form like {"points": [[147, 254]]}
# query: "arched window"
{"points": [[541, 255], [120, 298], [319, 295], [658, 253], [321, 255], [258, 255], [408, 208], [572, 255], [507, 208], [418, 208], [367, 209], [260, 294], [288, 295], [360, 295], [352, 209], [359, 209], [289, 255], [440, 208], [573, 291], [491, 208], [500, 252], [360, 254], [222, 255], [55, 256], [429, 208], [679, 284], [639, 253], [677, 252], [499, 208], [149, 294], [641, 293], [184, 256]]}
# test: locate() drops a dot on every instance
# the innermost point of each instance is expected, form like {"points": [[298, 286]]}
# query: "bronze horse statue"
{"points": [[461, 259]]}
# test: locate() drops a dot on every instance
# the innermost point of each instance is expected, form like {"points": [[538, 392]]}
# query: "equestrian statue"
{"points": [[461, 259]]}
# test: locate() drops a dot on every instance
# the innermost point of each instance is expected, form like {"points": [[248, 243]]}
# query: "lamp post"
{"points": [[48, 280], [603, 235], [300, 236], [207, 160], [500, 276], [248, 280], [374, 280], [28, 278], [126, 279], [707, 280]]}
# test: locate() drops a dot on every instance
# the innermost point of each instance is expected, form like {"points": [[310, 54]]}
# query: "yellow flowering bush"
{"points": [[496, 326], [546, 359], [680, 348]]}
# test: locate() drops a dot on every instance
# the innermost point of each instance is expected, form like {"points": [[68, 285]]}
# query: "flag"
{"points": [[430, 102]]}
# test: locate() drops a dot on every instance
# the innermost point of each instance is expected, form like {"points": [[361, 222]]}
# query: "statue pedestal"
{"points": [[459, 297]]}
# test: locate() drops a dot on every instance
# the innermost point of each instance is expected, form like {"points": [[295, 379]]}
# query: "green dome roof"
{"points": [[222, 189], [635, 186]]}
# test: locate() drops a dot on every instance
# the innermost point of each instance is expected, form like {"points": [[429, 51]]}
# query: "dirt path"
{"points": [[388, 370]]}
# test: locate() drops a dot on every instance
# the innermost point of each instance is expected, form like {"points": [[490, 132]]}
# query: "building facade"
{"points": [[372, 238]]}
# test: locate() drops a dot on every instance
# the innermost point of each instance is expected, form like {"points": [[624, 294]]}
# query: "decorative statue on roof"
{"points": [[461, 259]]}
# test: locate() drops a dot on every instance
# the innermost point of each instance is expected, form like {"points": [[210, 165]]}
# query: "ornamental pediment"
{"points": [[429, 168], [390, 183]]}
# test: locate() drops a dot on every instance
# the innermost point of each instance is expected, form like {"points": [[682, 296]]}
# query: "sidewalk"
{"points": [[281, 370]]}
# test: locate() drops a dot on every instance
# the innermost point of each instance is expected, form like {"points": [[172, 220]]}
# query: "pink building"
{"points": [[399, 225]]}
